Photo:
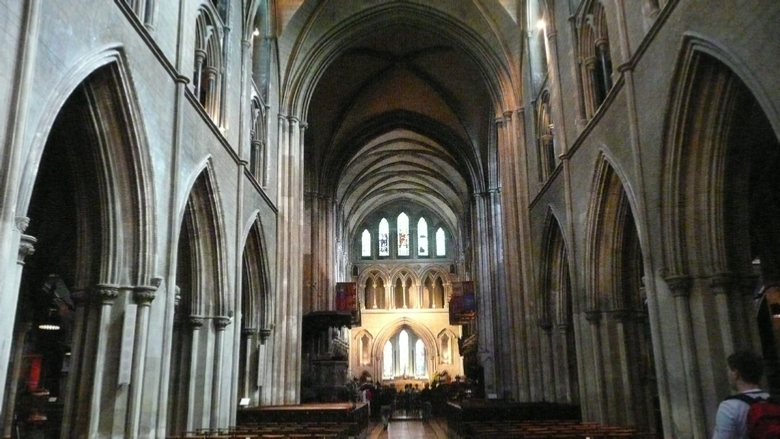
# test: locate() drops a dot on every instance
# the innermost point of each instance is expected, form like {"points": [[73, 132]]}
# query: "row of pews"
{"points": [[469, 419], [274, 430], [548, 429]]}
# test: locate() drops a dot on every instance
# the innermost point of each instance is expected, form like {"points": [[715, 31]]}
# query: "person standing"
{"points": [[745, 371]]}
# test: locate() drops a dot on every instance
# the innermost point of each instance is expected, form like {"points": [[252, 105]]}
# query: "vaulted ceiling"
{"points": [[402, 114]]}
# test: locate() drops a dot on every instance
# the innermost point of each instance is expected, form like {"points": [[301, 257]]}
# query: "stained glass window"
{"points": [[403, 352], [366, 244], [384, 234], [387, 361], [441, 245], [419, 359], [422, 237], [403, 235]]}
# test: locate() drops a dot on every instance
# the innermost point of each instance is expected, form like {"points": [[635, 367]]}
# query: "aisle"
{"points": [[411, 429]]}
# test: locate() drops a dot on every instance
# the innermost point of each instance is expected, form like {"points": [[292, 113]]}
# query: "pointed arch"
{"points": [[256, 286], [123, 163]]}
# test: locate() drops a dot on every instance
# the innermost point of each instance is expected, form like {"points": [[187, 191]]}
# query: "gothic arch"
{"points": [[384, 335], [303, 76], [203, 211], [86, 187], [610, 217], [124, 166], [256, 302]]}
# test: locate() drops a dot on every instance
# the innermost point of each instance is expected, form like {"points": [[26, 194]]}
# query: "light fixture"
{"points": [[541, 24], [256, 32], [51, 322]]}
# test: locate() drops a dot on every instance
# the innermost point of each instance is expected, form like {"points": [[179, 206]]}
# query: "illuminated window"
{"points": [[366, 244], [422, 238], [419, 359], [441, 246], [384, 234], [387, 361], [403, 235], [403, 353]]}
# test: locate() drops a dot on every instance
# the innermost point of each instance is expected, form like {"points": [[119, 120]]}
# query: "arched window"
{"points": [[384, 235], [403, 235], [261, 50], [366, 244], [595, 60], [419, 359], [208, 62], [403, 353], [422, 237], [387, 361], [544, 137], [257, 157], [441, 245]]}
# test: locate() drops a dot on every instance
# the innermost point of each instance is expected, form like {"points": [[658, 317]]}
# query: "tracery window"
{"points": [[384, 236], [366, 244], [422, 237], [441, 245], [403, 234], [257, 158], [207, 75], [404, 356], [544, 137], [419, 358], [594, 55]]}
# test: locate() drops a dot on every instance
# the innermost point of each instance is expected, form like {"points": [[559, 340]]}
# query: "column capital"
{"points": [[620, 315], [195, 322], [144, 294], [221, 322], [248, 332], [26, 248], [680, 284], [722, 283], [106, 292], [264, 333], [593, 316]]}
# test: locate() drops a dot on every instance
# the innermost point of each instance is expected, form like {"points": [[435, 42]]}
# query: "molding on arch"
{"points": [[129, 163], [705, 91], [302, 76], [394, 327], [222, 305], [606, 207]]}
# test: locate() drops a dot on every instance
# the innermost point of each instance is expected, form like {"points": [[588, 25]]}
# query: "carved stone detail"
{"points": [[264, 333], [26, 248], [144, 294], [248, 332], [107, 293], [196, 322], [680, 284], [220, 323], [22, 222]]}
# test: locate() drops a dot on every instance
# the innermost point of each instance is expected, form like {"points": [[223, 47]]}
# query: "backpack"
{"points": [[763, 417]]}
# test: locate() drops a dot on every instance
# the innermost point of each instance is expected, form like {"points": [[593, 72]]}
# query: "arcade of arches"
{"points": [[185, 183]]}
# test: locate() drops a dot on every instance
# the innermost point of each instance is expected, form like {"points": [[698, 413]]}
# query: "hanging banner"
{"points": [[346, 296], [463, 303]]}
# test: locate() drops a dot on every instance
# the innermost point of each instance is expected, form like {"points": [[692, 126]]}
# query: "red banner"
{"points": [[463, 304], [346, 296]]}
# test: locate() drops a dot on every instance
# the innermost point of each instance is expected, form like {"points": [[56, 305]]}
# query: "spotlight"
{"points": [[51, 322]]}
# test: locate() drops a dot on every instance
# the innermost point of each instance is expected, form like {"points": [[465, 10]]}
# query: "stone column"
{"points": [[722, 285], [106, 294], [594, 318], [220, 323], [196, 322], [681, 285], [564, 378], [143, 297], [247, 334], [625, 400], [13, 384], [76, 379], [486, 314]]}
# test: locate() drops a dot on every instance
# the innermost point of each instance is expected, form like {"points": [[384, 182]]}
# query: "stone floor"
{"points": [[435, 428]]}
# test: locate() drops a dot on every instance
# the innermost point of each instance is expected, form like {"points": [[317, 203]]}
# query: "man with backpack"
{"points": [[749, 413]]}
